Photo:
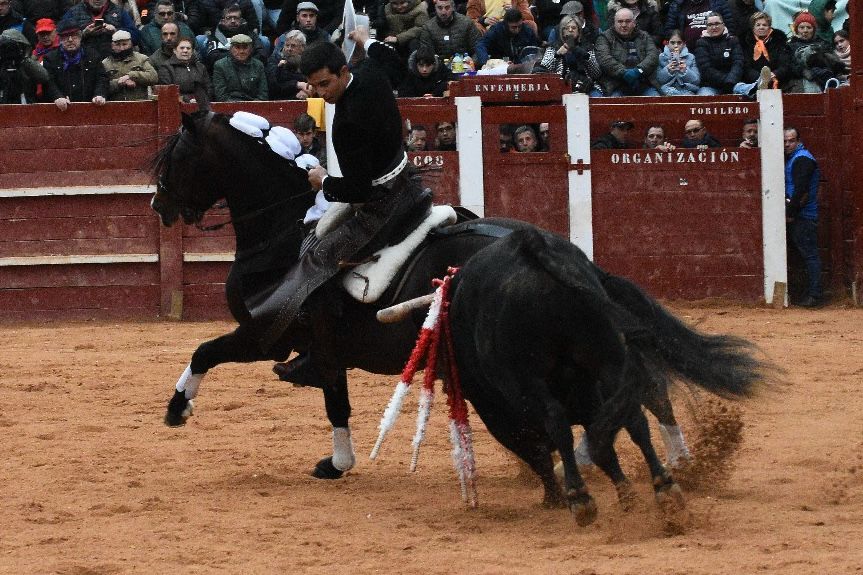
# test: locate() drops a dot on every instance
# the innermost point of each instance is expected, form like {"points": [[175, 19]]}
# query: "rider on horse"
{"points": [[367, 138]]}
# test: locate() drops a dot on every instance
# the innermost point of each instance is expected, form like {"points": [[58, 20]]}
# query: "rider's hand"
{"points": [[316, 177]]}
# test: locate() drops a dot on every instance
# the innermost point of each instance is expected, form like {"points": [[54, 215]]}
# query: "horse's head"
{"points": [[182, 170]]}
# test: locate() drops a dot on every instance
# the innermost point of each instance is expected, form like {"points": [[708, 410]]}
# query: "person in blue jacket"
{"points": [[506, 39]]}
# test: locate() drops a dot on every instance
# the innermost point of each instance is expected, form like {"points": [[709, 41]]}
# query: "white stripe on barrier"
{"points": [[75, 191], [208, 257], [79, 259]]}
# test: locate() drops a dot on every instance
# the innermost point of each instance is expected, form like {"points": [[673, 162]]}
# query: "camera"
{"points": [[98, 22]]}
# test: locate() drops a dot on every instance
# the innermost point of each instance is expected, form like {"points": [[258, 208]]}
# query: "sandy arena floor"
{"points": [[92, 482]]}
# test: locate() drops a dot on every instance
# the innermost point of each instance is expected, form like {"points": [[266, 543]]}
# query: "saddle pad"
{"points": [[368, 281]]}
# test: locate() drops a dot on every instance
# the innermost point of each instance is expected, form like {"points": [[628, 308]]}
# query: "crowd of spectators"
{"points": [[250, 49]]}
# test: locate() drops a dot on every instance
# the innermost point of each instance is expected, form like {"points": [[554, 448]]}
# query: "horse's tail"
{"points": [[721, 364]]}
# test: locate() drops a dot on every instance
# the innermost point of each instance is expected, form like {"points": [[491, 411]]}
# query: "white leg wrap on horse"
{"points": [[343, 449], [675, 445], [189, 382], [582, 455]]}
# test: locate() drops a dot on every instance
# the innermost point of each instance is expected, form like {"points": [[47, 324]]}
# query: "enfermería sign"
{"points": [[677, 157], [513, 87]]}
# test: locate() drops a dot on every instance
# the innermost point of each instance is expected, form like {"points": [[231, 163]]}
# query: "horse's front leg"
{"points": [[233, 347], [338, 406]]}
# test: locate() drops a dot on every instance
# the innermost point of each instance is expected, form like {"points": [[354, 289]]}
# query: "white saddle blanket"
{"points": [[367, 282]]}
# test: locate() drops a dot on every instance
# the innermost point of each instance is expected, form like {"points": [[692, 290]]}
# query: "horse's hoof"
{"points": [[626, 495], [670, 498], [582, 505], [179, 410], [326, 470]]}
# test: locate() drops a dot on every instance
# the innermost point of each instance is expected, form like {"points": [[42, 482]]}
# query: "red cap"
{"points": [[45, 25], [805, 17]]}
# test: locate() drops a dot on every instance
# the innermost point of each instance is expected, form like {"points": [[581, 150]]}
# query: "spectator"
{"points": [[741, 12], [449, 32], [690, 17], [189, 12], [654, 139], [548, 16], [47, 39], [505, 135], [506, 39], [677, 73], [575, 9], [98, 20], [696, 136], [11, 20], [750, 134], [617, 138], [487, 13], [213, 48], [130, 7], [445, 139], [801, 210], [76, 75], [151, 33], [268, 13], [240, 77], [764, 46], [823, 11], [813, 59], [628, 58], [36, 10], [843, 53], [184, 70], [20, 75], [170, 34], [284, 78], [328, 16], [544, 137], [307, 24], [129, 73], [719, 57], [646, 16], [306, 130], [403, 21], [417, 140], [213, 12], [426, 76], [573, 57], [525, 139]]}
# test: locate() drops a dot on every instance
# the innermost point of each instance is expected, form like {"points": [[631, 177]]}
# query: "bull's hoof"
{"points": [[326, 470], [179, 410], [583, 507]]}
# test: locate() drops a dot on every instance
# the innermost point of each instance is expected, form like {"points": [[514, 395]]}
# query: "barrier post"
{"points": [[170, 239], [471, 184], [773, 196], [580, 188]]}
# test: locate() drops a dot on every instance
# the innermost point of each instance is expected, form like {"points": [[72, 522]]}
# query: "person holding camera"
{"points": [[20, 75], [98, 20], [76, 74], [677, 73]]}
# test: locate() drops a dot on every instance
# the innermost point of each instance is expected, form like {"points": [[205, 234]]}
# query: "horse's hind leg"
{"points": [[236, 346], [338, 406], [667, 492], [658, 403]]}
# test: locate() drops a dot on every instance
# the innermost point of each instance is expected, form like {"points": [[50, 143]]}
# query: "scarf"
{"points": [[70, 60], [845, 56], [39, 51], [761, 48]]}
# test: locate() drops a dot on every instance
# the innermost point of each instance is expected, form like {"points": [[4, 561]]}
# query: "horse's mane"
{"points": [[160, 160]]}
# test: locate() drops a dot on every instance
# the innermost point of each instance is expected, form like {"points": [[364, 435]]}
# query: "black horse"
{"points": [[544, 340], [268, 196]]}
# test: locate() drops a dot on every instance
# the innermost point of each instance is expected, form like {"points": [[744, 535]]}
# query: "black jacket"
{"points": [[720, 61], [608, 142], [80, 82], [780, 57], [415, 86]]}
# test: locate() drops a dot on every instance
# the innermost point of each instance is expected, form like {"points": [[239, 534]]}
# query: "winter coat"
{"points": [[476, 10], [282, 80], [405, 27], [647, 20], [237, 82], [191, 77], [218, 46], [190, 8], [330, 13], [98, 45], [611, 53], [138, 68], [579, 67], [741, 12], [15, 21], [720, 62], [814, 60], [415, 86], [690, 80], [780, 62], [677, 16], [212, 13], [824, 30], [499, 43], [459, 35], [20, 83], [80, 82], [34, 10], [151, 36]]}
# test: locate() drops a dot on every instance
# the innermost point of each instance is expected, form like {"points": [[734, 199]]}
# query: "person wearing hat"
{"points": [[76, 75], [617, 138], [20, 75], [130, 73], [12, 20], [375, 173], [98, 20], [327, 14], [239, 77], [813, 58], [215, 46], [47, 39]]}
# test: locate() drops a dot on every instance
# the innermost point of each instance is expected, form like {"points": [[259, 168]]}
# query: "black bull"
{"points": [[545, 340], [267, 195]]}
